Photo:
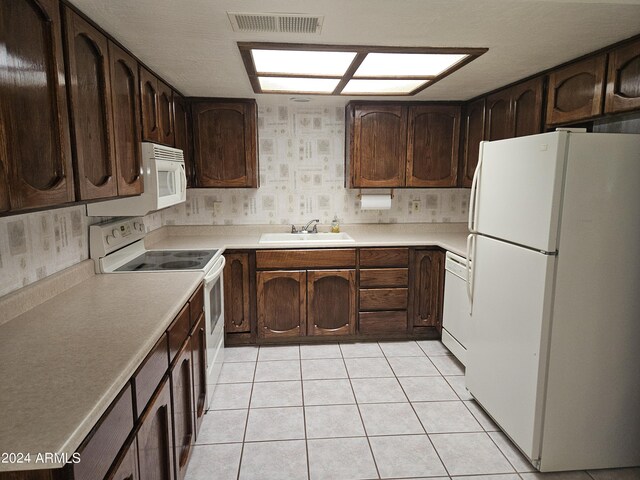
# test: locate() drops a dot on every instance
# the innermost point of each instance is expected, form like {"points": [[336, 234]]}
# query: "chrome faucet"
{"points": [[305, 229]]}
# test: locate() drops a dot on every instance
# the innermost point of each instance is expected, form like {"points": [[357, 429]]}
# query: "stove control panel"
{"points": [[113, 235]]}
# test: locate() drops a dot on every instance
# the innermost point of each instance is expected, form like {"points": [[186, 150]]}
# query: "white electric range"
{"points": [[118, 246]]}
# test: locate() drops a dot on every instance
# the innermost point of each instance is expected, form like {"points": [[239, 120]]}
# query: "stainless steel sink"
{"points": [[306, 238]]}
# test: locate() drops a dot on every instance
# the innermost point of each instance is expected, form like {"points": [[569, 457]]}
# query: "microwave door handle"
{"points": [[183, 180], [215, 273]]}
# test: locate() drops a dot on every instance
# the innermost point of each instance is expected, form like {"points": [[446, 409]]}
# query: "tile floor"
{"points": [[354, 411]]}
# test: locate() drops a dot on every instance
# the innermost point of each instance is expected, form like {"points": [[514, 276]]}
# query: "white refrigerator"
{"points": [[554, 348]]}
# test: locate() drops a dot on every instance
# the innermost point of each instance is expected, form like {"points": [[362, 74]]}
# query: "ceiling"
{"points": [[191, 44]]}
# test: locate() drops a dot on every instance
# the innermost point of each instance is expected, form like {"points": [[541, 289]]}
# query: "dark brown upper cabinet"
{"points": [[472, 134], [90, 107], [514, 111], [225, 143], [181, 128], [125, 99], [377, 137], [623, 79], [331, 302], [149, 106], [526, 110], [165, 114], [432, 146], [35, 147], [576, 92]]}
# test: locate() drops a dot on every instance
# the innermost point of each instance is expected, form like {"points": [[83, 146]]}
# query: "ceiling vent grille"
{"points": [[275, 23]]}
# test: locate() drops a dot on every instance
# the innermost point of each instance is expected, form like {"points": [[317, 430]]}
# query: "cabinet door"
{"points": [[576, 91], [126, 467], [225, 150], [473, 124], [126, 120], [331, 308], [236, 293], [199, 358], [165, 114], [149, 106], [432, 146], [379, 146], [155, 438], [282, 304], [498, 124], [623, 79], [35, 150], [91, 114], [526, 107], [183, 411], [182, 135], [427, 282]]}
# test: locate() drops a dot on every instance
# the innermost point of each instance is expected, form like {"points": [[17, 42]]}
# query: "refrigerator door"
{"points": [[519, 189], [507, 351]]}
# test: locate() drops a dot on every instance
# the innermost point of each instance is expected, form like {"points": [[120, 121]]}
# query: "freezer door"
{"points": [[519, 189], [507, 351]]}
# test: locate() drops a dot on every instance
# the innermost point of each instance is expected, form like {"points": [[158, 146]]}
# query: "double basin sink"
{"points": [[302, 238]]}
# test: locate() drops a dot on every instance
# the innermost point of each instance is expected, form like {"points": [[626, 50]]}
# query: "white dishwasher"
{"points": [[456, 314]]}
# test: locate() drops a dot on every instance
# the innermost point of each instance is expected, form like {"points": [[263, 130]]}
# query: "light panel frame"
{"points": [[361, 53]]}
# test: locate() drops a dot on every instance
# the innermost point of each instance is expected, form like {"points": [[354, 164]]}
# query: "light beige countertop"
{"points": [[64, 361], [72, 341], [451, 236]]}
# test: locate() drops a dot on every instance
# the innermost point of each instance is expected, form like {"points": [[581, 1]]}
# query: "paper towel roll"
{"points": [[375, 202]]}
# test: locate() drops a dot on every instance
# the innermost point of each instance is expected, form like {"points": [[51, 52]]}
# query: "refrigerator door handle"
{"points": [[475, 189], [471, 240]]}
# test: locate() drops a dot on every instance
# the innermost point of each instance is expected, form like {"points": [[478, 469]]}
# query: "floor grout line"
{"points": [[246, 423], [304, 416]]}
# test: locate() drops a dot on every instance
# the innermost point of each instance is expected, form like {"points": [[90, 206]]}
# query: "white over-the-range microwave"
{"points": [[165, 184]]}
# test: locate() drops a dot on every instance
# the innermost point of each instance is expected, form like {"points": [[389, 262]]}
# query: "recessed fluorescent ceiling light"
{"points": [[299, 62], [303, 85], [406, 64], [349, 69], [355, 87]]}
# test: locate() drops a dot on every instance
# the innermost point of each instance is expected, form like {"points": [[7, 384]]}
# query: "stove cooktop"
{"points": [[159, 260]]}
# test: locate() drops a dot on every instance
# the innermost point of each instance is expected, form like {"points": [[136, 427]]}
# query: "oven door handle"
{"points": [[215, 273]]}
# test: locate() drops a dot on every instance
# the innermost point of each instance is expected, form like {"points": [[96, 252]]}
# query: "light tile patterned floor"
{"points": [[355, 411]]}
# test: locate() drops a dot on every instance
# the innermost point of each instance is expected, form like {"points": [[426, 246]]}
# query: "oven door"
{"points": [[214, 318]]}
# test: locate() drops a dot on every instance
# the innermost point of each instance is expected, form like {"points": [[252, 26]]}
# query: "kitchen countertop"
{"points": [[69, 348], [64, 361], [452, 237]]}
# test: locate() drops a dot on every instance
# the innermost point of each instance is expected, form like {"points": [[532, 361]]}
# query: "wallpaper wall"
{"points": [[301, 177], [301, 152]]}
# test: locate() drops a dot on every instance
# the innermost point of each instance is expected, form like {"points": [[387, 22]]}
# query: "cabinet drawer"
{"points": [[148, 376], [311, 258], [101, 447], [384, 257], [178, 332], [384, 277], [383, 299], [196, 304], [372, 323]]}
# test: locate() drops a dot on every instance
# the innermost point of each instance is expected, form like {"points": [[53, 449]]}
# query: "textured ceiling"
{"points": [[191, 44]]}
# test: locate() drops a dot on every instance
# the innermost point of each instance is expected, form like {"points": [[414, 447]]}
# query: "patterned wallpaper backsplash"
{"points": [[301, 177]]}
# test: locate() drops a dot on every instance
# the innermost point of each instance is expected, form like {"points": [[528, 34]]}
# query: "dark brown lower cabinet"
{"points": [[126, 468], [198, 342], [236, 293], [331, 302], [155, 437], [426, 287], [182, 397], [282, 300]]}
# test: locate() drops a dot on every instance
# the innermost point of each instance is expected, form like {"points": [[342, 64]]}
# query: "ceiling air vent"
{"points": [[275, 22]]}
